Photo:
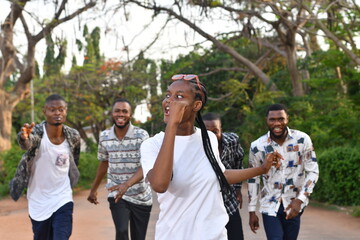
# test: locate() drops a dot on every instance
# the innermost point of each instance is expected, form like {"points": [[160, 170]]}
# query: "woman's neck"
{"points": [[185, 129]]}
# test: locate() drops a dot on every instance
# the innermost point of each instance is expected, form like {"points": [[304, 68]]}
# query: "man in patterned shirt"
{"points": [[231, 154], [48, 170], [287, 188], [129, 196]]}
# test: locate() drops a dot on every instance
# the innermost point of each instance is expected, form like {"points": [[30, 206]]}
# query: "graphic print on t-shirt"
{"points": [[62, 159]]}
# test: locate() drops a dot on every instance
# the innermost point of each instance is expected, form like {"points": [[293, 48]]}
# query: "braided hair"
{"points": [[201, 94]]}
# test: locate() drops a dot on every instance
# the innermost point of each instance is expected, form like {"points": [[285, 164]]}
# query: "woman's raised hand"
{"points": [[272, 159]]}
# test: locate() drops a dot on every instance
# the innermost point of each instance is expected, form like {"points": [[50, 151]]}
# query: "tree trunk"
{"points": [[5, 123], [293, 71]]}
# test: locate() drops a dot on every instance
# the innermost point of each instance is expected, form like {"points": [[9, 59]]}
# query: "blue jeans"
{"points": [[57, 227], [278, 228], [122, 212]]}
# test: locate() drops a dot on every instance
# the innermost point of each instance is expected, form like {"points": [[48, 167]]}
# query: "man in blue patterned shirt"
{"points": [[285, 189], [231, 154], [129, 196]]}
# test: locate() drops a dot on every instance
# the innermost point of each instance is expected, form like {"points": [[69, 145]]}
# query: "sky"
{"points": [[136, 31]]}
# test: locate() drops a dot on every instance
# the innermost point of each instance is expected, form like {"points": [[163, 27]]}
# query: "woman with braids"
{"points": [[183, 166]]}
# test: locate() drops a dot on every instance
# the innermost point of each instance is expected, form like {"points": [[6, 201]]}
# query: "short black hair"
{"points": [[276, 107], [211, 116], [121, 100], [54, 97]]}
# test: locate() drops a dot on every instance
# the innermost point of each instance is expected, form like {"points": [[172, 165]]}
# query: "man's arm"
{"points": [[238, 164], [311, 169], [100, 173], [253, 192], [76, 152]]}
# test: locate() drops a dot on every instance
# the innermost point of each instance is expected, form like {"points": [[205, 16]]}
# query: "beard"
{"points": [[55, 123], [121, 126], [281, 136]]}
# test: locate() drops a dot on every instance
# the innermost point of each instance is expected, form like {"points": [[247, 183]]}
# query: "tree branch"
{"points": [[330, 35], [252, 67]]}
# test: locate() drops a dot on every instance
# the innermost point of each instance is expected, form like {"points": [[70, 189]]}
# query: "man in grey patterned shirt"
{"points": [[231, 154], [129, 196]]}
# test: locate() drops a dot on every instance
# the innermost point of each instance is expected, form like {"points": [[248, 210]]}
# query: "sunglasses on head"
{"points": [[188, 77]]}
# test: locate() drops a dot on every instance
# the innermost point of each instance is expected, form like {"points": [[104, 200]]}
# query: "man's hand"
{"points": [[253, 222], [93, 197], [293, 209], [121, 188], [26, 130], [239, 197]]}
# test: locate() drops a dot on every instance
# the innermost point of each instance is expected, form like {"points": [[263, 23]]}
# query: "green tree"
{"points": [[18, 66]]}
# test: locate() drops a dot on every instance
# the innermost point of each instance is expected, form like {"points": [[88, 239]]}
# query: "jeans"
{"points": [[278, 228], [234, 227], [57, 227], [122, 212]]}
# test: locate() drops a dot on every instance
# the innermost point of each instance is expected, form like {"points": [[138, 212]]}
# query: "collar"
{"points": [[129, 133]]}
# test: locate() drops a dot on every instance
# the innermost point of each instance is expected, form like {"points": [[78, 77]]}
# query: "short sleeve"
{"points": [[215, 148], [149, 151]]}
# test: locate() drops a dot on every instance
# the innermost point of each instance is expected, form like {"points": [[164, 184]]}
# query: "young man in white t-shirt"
{"points": [[49, 170]]}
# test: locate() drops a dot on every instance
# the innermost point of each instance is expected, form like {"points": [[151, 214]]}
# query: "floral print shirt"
{"points": [[295, 178]]}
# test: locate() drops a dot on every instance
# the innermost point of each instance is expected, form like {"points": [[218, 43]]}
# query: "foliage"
{"points": [[87, 166], [90, 89], [339, 176], [355, 212], [10, 159], [18, 50]]}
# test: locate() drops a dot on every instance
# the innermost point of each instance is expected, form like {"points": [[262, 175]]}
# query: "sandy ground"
{"points": [[94, 222]]}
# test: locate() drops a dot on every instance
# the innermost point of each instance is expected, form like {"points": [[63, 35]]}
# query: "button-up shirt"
{"points": [[124, 160], [295, 178], [232, 156]]}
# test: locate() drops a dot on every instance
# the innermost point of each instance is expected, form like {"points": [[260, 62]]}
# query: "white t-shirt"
{"points": [[49, 184], [192, 207]]}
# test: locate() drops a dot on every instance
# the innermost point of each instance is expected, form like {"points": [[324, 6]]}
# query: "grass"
{"points": [[351, 210]]}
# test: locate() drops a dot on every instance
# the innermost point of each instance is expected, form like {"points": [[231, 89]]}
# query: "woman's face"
{"points": [[179, 102]]}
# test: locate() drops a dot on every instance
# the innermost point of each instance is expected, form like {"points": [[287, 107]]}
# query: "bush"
{"points": [[339, 179], [87, 166], [10, 159]]}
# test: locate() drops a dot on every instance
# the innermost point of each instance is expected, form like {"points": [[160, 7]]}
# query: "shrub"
{"points": [[87, 166], [339, 179], [10, 159]]}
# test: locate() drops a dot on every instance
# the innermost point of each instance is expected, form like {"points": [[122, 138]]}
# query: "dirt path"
{"points": [[95, 223]]}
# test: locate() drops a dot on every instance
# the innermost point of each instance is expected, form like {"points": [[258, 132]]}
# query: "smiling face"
{"points": [[55, 112], [121, 114], [181, 92], [277, 122]]}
